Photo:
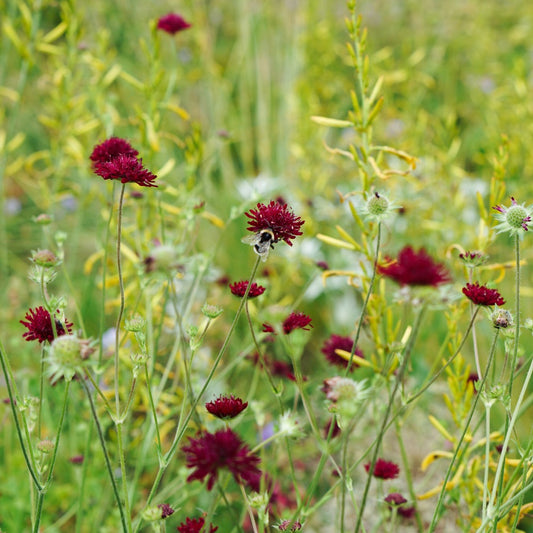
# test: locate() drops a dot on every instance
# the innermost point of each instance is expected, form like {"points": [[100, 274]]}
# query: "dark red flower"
{"points": [[166, 510], [172, 23], [112, 148], [239, 289], [195, 525], [210, 452], [472, 379], [285, 524], [322, 265], [268, 328], [296, 320], [126, 169], [335, 432], [40, 327], [76, 459], [276, 217], [396, 500], [282, 369], [384, 469], [415, 268], [226, 407], [338, 342], [482, 295]]}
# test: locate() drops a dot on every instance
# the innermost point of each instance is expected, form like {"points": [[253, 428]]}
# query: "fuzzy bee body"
{"points": [[262, 241]]}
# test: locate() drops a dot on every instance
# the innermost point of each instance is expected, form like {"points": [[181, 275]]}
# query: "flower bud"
{"points": [[45, 258], [211, 311]]}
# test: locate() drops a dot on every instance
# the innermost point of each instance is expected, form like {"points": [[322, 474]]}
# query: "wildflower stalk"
{"points": [[367, 298], [381, 433], [119, 418], [183, 426], [408, 476], [457, 456], [153, 409], [517, 314], [122, 300], [10, 382], [109, 467], [447, 364], [42, 491], [491, 511]]}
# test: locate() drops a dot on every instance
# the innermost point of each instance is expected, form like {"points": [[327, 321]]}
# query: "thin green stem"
{"points": [[408, 476], [44, 489], [457, 455], [517, 315], [122, 300], [381, 433], [154, 412], [487, 460], [183, 425], [106, 456], [367, 298], [10, 382]]}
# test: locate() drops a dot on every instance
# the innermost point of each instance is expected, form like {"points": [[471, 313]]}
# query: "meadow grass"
{"points": [[392, 129]]}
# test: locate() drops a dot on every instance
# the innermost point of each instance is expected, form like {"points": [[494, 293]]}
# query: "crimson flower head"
{"points": [[384, 469], [195, 525], [40, 327], [166, 510], [112, 148], [338, 342], [268, 328], [415, 268], [239, 289], [210, 452], [126, 169], [296, 321], [277, 218], [172, 23], [396, 500], [226, 406], [482, 295]]}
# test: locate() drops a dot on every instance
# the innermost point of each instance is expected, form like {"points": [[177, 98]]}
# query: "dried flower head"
{"points": [[415, 268], [112, 148], [126, 169], [166, 510], [238, 288], [40, 326], [226, 406], [384, 469], [287, 525], [210, 452], [338, 342], [513, 219], [296, 320], [482, 295], [501, 318], [276, 217], [172, 23], [195, 525]]}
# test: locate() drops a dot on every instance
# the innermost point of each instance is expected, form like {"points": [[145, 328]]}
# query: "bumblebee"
{"points": [[262, 241]]}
